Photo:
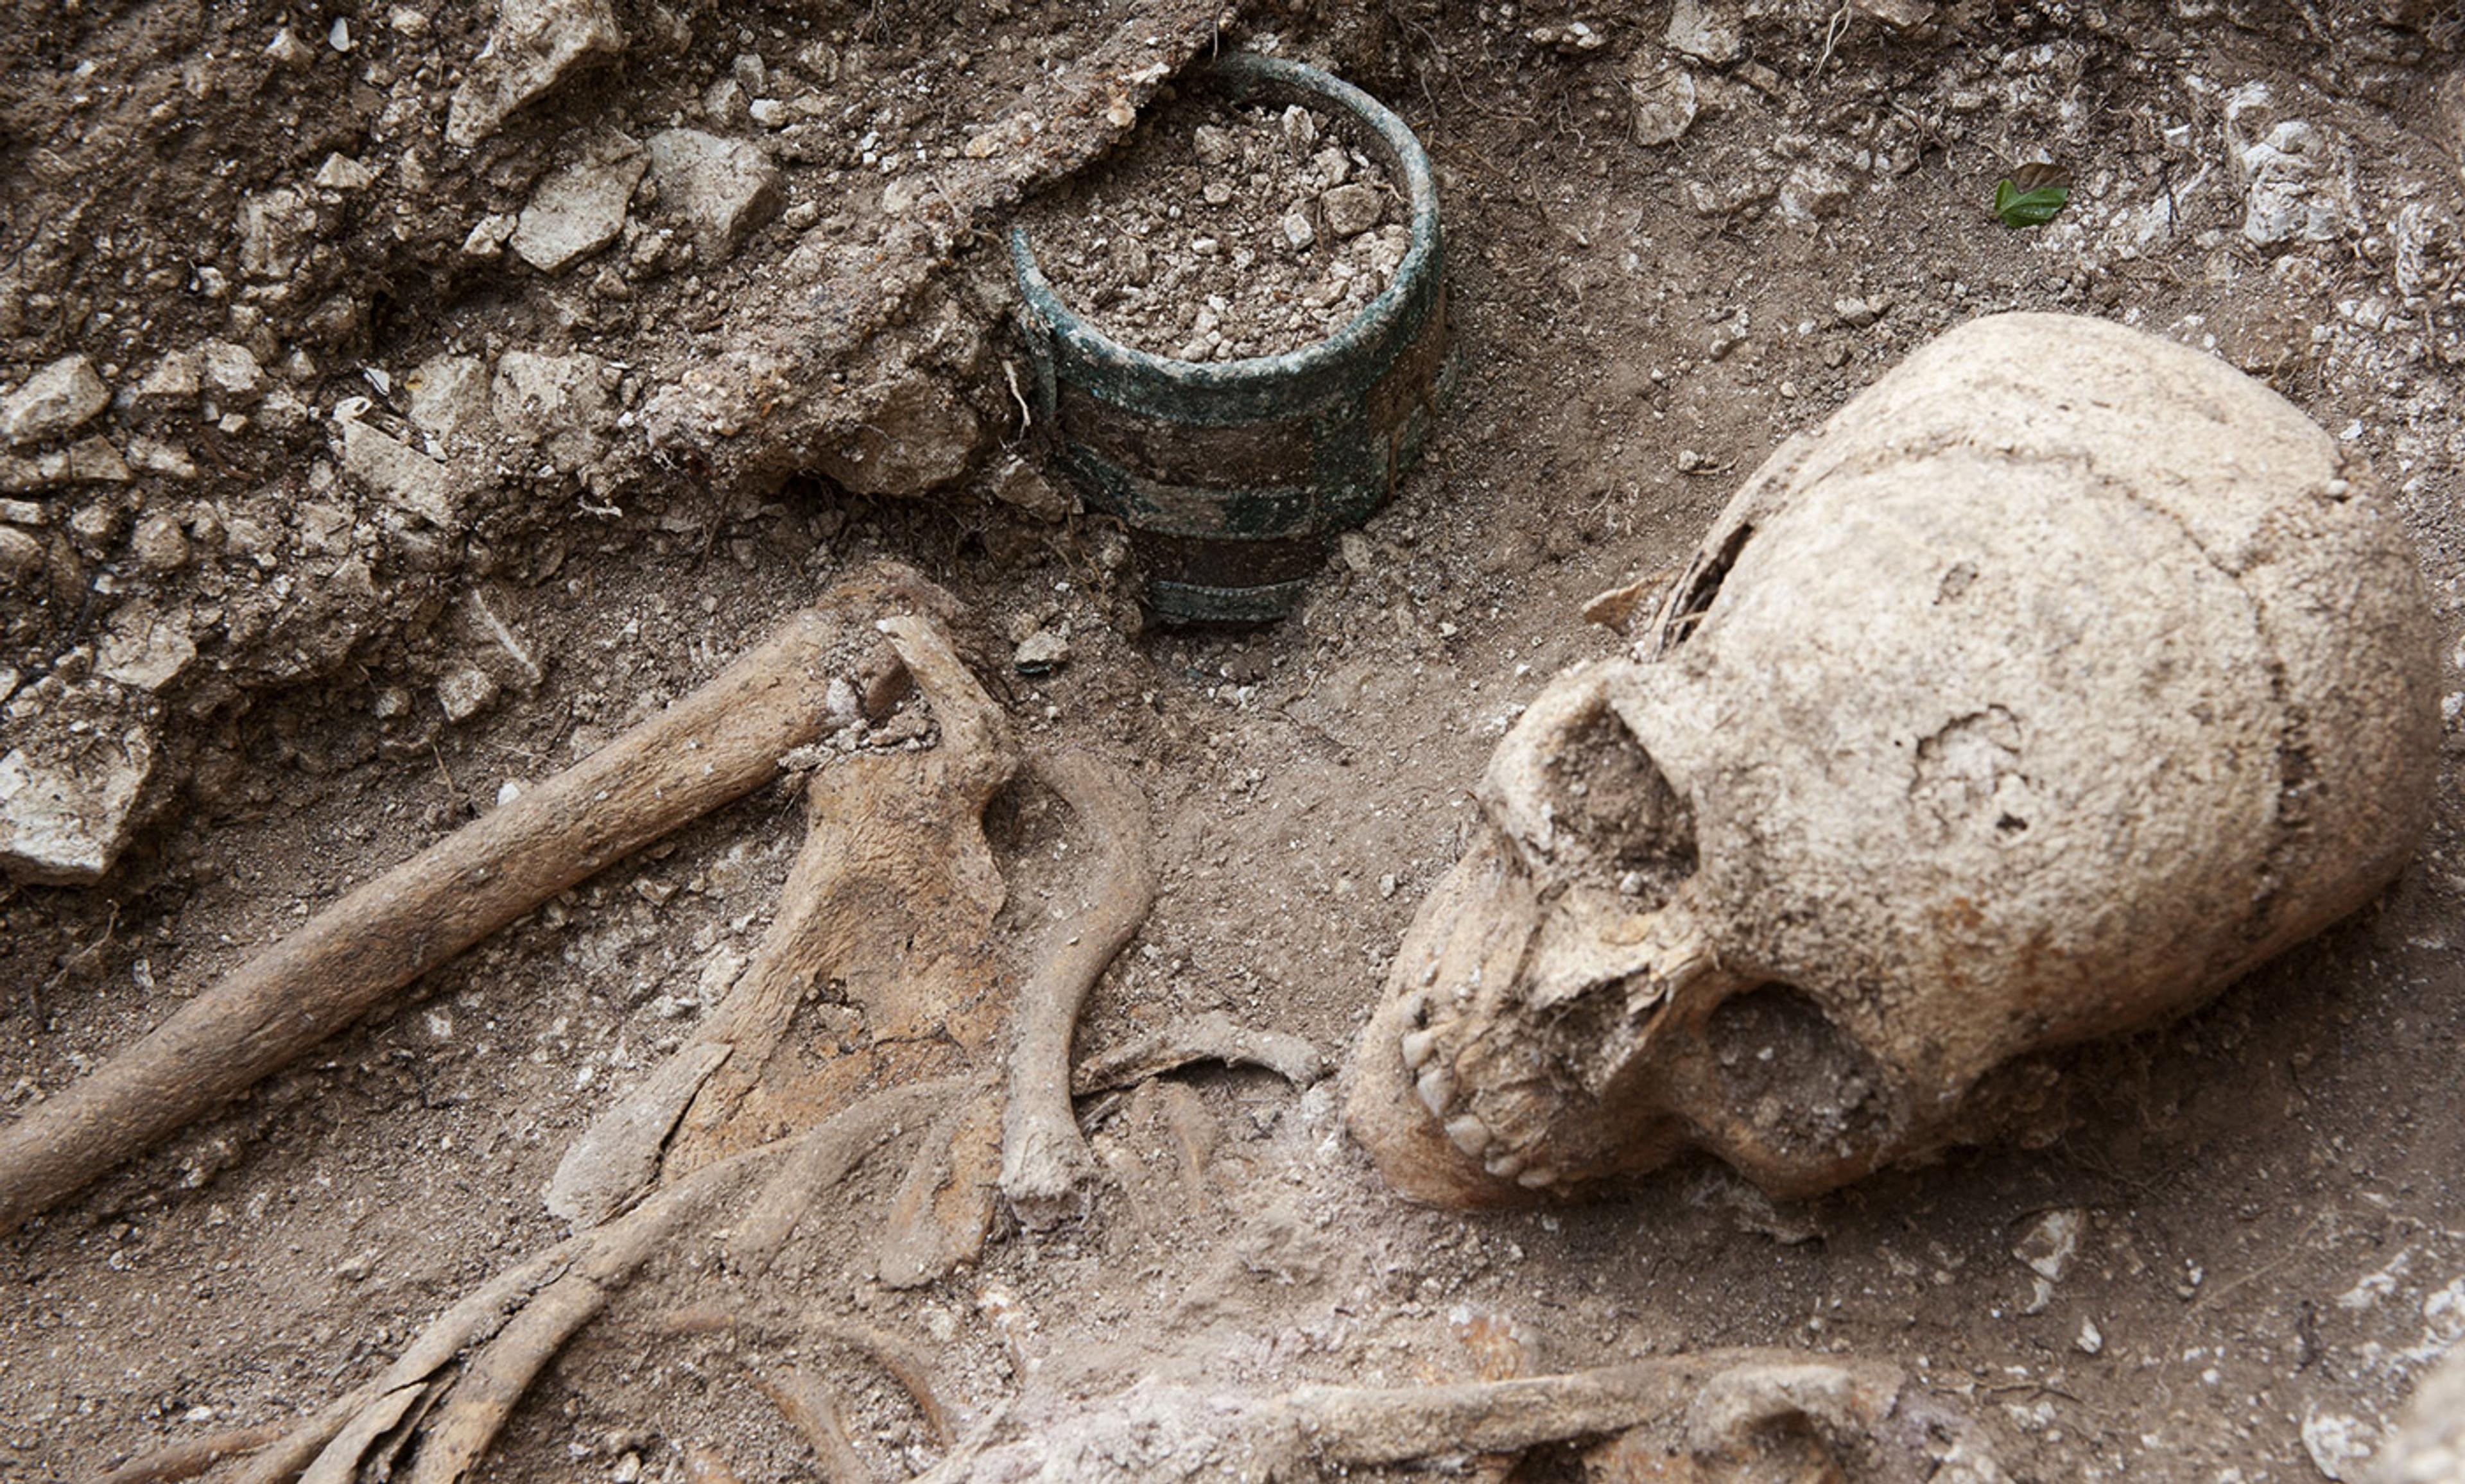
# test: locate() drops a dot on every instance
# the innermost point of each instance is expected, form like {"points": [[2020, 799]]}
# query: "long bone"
{"points": [[713, 745]]}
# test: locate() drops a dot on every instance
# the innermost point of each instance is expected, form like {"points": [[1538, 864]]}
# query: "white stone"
{"points": [[281, 411], [535, 45], [1352, 210], [721, 189], [466, 693], [153, 455], [399, 474], [723, 103], [91, 461], [1898, 14], [1706, 30], [917, 438], [1812, 192], [448, 397], [557, 404], [1043, 651], [60, 398], [342, 172], [1023, 487], [145, 649], [231, 373], [2340, 1443], [21, 557], [275, 230], [1665, 103], [2448, 111], [2051, 1242], [172, 385], [486, 240], [288, 51], [503, 653], [576, 212], [66, 814], [2298, 178]]}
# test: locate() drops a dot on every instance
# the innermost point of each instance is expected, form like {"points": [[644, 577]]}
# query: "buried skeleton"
{"points": [[1678, 235], [1809, 950]]}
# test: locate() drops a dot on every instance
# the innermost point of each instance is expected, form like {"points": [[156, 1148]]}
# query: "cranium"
{"points": [[2062, 676]]}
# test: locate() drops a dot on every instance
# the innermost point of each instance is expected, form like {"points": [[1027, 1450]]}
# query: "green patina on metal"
{"points": [[1233, 476]]}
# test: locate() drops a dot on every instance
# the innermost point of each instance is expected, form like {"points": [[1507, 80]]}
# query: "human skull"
{"points": [[2062, 678]]}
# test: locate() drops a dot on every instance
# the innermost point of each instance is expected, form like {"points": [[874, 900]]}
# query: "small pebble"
{"points": [[1352, 210], [1044, 652]]}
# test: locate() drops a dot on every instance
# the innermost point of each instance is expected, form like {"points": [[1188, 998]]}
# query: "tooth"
{"points": [[1437, 1086], [1504, 1165], [1536, 1177], [1468, 1134], [1417, 1047]]}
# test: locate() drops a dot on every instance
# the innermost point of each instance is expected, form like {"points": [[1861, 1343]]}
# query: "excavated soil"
{"points": [[1223, 232], [1677, 235]]}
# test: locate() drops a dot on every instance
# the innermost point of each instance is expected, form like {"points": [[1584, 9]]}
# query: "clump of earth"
{"points": [[1225, 232]]}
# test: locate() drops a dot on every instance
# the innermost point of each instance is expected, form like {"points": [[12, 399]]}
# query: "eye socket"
{"points": [[1799, 1081], [1607, 793]]}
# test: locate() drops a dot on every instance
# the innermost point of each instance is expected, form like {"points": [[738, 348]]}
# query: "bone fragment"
{"points": [[908, 824], [1720, 1409], [520, 1319], [1210, 1037], [1615, 609], [1046, 1167], [704, 1466], [906, 1363], [807, 1405], [617, 1157], [818, 1162], [185, 1460], [893, 898], [943, 1208]]}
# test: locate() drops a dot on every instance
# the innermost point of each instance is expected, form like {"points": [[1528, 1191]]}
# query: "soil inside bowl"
{"points": [[1223, 231]]}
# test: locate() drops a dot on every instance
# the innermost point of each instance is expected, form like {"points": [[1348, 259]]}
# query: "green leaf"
{"points": [[2032, 207]]}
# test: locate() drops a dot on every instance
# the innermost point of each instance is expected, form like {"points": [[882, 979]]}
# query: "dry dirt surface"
{"points": [[1224, 233], [460, 385]]}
